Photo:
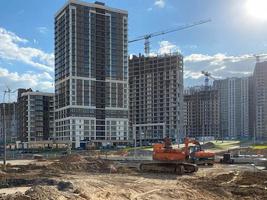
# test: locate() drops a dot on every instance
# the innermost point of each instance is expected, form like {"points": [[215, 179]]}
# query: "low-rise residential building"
{"points": [[35, 115]]}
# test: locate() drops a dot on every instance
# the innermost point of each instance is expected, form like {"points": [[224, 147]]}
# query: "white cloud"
{"points": [[192, 75], [14, 80], [166, 47], [160, 3], [13, 48], [42, 29], [219, 65]]}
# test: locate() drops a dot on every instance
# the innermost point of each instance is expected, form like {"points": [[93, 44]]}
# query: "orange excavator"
{"points": [[179, 161], [195, 154]]}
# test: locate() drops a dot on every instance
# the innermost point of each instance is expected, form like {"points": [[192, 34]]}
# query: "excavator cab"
{"points": [[195, 154], [193, 149]]}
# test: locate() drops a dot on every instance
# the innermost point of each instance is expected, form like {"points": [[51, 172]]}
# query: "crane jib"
{"points": [[147, 36]]}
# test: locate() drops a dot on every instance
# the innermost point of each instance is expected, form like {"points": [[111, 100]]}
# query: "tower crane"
{"points": [[150, 35], [207, 77]]}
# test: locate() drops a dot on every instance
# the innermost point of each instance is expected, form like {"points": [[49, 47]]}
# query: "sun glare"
{"points": [[257, 8]]}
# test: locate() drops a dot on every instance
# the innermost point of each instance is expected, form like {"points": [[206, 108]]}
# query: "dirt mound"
{"points": [[72, 158], [252, 178], [224, 178], [256, 151], [208, 145], [50, 193], [16, 196], [42, 193], [84, 165], [238, 185]]}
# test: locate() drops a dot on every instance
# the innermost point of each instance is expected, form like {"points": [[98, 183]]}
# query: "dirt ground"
{"points": [[82, 178]]}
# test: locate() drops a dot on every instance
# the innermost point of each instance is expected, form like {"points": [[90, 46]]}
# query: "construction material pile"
{"points": [[42, 193]]}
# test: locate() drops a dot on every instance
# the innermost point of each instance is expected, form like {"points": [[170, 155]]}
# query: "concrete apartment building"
{"points": [[201, 112], [156, 96], [9, 116], [234, 106], [260, 100], [35, 115], [91, 74]]}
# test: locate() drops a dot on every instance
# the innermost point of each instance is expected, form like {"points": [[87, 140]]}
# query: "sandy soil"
{"points": [[18, 162], [93, 179], [14, 190]]}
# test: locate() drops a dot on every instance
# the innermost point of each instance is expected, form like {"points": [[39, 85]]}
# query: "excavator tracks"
{"points": [[168, 167]]}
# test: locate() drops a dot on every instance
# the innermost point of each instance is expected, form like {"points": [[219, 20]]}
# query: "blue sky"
{"points": [[224, 47]]}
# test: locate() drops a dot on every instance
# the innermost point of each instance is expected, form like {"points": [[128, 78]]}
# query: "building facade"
{"points": [[260, 100], [9, 116], [91, 74], [234, 106], [201, 112], [156, 96], [35, 115]]}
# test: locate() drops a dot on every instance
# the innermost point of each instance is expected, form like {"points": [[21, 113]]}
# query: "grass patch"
{"points": [[259, 146], [225, 144], [148, 148]]}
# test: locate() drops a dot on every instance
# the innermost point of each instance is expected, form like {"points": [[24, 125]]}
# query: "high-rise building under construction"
{"points": [[156, 96], [201, 112]]}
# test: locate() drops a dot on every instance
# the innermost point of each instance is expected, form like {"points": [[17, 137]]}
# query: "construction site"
{"points": [[121, 126], [121, 174]]}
